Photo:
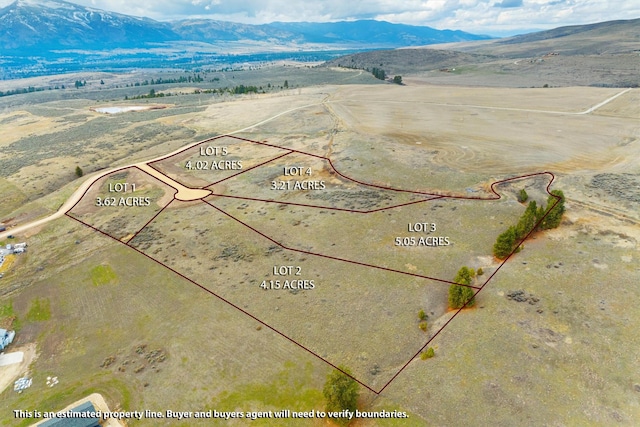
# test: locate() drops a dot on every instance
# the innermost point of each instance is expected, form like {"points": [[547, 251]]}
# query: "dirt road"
{"points": [[10, 373], [77, 195]]}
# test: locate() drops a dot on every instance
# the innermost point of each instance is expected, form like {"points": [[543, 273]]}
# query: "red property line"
{"points": [[496, 195], [150, 221], [276, 146], [324, 207], [333, 167], [92, 184], [160, 211], [438, 196], [188, 148], [247, 170], [226, 301], [310, 253], [332, 257], [530, 232], [485, 283]]}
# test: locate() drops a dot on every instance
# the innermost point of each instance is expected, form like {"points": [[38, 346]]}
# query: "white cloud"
{"points": [[479, 16]]}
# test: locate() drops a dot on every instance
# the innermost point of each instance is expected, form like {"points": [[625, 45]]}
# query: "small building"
{"points": [[6, 338], [88, 421]]}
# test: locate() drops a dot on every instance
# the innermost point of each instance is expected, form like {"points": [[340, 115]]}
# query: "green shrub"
{"points": [[523, 196]]}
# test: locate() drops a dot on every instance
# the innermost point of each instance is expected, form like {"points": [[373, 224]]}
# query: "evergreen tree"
{"points": [[527, 220], [397, 80], [554, 217], [379, 73], [523, 196], [464, 276], [505, 243], [461, 295], [79, 171]]}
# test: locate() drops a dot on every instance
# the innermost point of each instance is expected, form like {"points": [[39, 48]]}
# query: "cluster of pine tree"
{"points": [[152, 94], [459, 296], [23, 90], [545, 218], [379, 73]]}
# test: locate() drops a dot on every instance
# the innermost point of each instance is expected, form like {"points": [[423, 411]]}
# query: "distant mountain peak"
{"points": [[45, 25], [45, 4], [42, 25]]}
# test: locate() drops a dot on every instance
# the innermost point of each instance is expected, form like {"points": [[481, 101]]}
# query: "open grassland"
{"points": [[47, 134], [567, 359], [144, 329], [565, 355]]}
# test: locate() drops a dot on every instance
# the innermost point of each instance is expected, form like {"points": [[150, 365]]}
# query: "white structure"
{"points": [[6, 338]]}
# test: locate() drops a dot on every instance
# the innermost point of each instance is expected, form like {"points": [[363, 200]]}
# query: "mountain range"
{"points": [[44, 25]]}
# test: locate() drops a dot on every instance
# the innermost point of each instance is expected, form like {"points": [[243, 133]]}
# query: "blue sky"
{"points": [[494, 17]]}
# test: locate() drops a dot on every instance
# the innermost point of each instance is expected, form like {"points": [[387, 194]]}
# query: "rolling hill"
{"points": [[611, 37]]}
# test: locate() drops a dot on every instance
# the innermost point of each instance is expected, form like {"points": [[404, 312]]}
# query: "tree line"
{"points": [[534, 217]]}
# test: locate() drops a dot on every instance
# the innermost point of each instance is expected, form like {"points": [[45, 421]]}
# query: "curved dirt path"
{"points": [[80, 191], [78, 194]]}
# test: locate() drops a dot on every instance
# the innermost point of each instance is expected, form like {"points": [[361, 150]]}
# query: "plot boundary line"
{"points": [[497, 196]]}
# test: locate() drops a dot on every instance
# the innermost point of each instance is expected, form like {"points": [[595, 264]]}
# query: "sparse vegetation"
{"points": [[423, 325], [250, 378], [422, 315], [341, 392], [39, 311], [6, 310], [102, 275], [427, 354]]}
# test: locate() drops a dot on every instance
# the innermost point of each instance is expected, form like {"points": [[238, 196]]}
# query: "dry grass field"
{"points": [[146, 335]]}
